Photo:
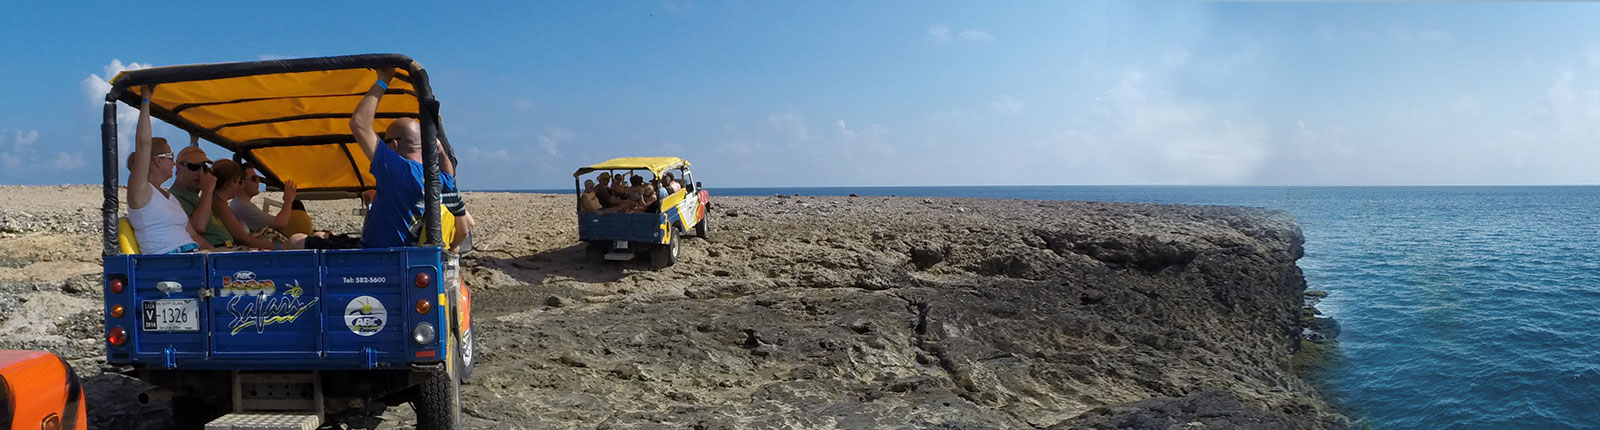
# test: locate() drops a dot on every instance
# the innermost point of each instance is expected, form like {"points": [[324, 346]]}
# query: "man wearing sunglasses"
{"points": [[194, 184]]}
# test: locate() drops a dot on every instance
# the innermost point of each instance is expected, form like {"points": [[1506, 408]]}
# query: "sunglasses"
{"points": [[253, 178], [196, 166], [166, 155]]}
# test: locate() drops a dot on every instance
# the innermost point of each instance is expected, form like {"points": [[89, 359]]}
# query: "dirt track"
{"points": [[805, 312]]}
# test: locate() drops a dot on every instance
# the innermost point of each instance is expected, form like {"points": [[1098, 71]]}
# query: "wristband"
{"points": [[146, 100], [382, 84]]}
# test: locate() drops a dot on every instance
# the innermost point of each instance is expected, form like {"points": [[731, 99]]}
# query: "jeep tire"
{"points": [[701, 230], [665, 255], [438, 400]]}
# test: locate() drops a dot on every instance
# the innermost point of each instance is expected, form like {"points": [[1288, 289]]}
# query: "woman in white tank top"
{"points": [[159, 223]]}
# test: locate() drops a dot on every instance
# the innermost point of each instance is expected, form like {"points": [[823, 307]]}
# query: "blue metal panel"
{"points": [[266, 304], [188, 270], [367, 293], [635, 227], [324, 336]]}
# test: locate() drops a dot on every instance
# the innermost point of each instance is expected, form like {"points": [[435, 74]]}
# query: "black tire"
{"points": [[665, 255], [701, 230], [438, 401]]}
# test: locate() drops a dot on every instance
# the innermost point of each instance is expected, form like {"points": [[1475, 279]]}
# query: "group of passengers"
{"points": [[615, 194], [208, 207]]}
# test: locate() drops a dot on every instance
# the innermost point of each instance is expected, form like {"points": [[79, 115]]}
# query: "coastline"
{"points": [[871, 310]]}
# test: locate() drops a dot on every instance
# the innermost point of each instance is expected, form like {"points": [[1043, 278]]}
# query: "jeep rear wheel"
{"points": [[665, 255], [438, 401]]}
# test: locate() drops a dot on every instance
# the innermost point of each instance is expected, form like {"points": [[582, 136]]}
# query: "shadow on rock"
{"points": [[573, 262], [113, 403]]}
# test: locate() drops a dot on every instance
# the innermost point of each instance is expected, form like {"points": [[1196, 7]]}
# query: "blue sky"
{"points": [[895, 93]]}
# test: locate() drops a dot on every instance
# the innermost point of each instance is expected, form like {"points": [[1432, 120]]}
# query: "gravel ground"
{"points": [[808, 312]]}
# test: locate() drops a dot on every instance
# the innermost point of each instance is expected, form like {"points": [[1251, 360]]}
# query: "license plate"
{"points": [[171, 315], [621, 244]]}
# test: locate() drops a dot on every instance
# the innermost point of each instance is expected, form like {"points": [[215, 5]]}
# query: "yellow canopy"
{"points": [[655, 165], [290, 117]]}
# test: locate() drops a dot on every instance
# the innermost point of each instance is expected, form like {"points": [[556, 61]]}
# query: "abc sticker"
{"points": [[364, 316]]}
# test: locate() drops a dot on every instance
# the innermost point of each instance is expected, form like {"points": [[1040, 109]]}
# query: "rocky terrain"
{"points": [[810, 312]]}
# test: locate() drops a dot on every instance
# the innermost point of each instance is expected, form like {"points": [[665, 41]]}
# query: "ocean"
{"points": [[1460, 307]]}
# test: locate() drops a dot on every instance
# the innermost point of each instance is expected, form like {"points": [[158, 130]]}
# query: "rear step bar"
{"points": [[262, 421], [273, 401]]}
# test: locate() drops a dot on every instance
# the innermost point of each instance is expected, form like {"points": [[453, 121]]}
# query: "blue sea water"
{"points": [[1461, 307]]}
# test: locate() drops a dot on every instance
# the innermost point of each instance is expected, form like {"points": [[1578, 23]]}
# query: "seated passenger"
{"points": [[587, 201], [157, 218], [194, 184], [254, 218], [644, 190], [661, 192], [619, 187], [671, 184], [602, 191], [633, 203], [450, 197], [230, 184]]}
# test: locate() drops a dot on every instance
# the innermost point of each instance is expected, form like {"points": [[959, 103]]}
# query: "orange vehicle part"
{"points": [[39, 391]]}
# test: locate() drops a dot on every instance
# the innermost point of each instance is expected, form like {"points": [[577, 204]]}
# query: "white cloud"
{"points": [[551, 140], [1009, 104], [22, 141], [1140, 133], [1403, 34], [947, 116], [95, 88], [23, 162], [943, 33], [851, 143], [67, 161], [1396, 33], [791, 123], [1467, 104], [1176, 58], [526, 104], [977, 35]]}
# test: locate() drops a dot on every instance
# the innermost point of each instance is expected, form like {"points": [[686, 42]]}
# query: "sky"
{"points": [[834, 93]]}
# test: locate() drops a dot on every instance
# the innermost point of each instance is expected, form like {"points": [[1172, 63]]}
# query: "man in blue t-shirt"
{"points": [[396, 168]]}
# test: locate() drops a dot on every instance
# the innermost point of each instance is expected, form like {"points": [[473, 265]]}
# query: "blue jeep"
{"points": [[617, 233], [283, 339]]}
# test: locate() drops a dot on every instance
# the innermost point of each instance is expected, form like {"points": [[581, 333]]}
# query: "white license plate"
{"points": [[171, 315], [621, 244]]}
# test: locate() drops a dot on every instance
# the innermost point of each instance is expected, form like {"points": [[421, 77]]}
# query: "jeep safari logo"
{"points": [[244, 283], [365, 316]]}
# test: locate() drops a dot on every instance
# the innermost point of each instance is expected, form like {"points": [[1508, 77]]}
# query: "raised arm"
{"points": [[201, 217], [361, 120], [139, 170], [444, 160], [281, 222]]}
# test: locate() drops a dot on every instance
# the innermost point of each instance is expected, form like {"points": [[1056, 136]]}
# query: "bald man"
{"points": [[396, 169]]}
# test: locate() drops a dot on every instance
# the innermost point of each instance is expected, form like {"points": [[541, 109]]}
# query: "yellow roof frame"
{"points": [[656, 165]]}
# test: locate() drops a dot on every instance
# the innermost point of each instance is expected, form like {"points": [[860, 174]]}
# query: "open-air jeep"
{"points": [[283, 339], [658, 228]]}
